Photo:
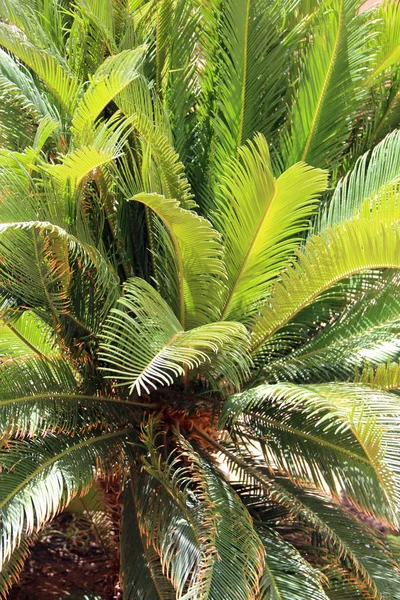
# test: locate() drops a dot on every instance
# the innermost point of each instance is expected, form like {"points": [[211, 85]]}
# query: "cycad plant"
{"points": [[199, 289]]}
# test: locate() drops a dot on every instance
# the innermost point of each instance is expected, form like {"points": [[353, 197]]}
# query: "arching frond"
{"points": [[205, 501], [177, 518], [80, 164], [374, 173], [27, 336], [39, 477], [13, 567], [384, 376], [388, 39], [366, 331], [321, 439], [138, 103], [340, 252], [346, 536], [115, 74], [329, 89], [182, 73], [146, 347], [200, 269], [38, 396], [259, 233], [286, 574], [250, 71], [59, 80], [141, 571], [39, 275]]}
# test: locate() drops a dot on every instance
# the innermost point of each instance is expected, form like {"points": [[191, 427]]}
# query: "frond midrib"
{"points": [[282, 362], [308, 436], [73, 396], [313, 296], [244, 78], [317, 114], [62, 454], [248, 253], [15, 331]]}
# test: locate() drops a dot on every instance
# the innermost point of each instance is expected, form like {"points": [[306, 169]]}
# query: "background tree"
{"points": [[199, 254]]}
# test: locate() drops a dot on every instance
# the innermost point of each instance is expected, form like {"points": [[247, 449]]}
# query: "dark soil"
{"points": [[68, 562]]}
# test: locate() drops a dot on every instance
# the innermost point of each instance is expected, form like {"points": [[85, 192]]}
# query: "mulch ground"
{"points": [[66, 561]]}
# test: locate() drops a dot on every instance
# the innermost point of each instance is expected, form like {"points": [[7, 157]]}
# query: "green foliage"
{"points": [[199, 254]]}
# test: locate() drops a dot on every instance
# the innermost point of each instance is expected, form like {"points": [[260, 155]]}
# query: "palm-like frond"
{"points": [[38, 396], [154, 134], [366, 331], [374, 174], [59, 80], [113, 76], [146, 347], [258, 232], [385, 376], [241, 446], [346, 536], [334, 443], [141, 571], [388, 40], [27, 336], [328, 94], [40, 275], [286, 574], [210, 515], [13, 567], [245, 102], [198, 250], [340, 252], [39, 477]]}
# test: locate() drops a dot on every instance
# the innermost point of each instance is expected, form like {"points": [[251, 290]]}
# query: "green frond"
{"points": [[373, 417], [114, 75], [287, 575], [384, 376], [27, 336], [177, 517], [139, 103], [38, 478], [329, 90], [343, 535], [388, 39], [58, 79], [46, 128], [250, 71], [90, 36], [240, 553], [81, 164], [356, 544], [338, 253], [321, 439], [374, 174], [23, 83], [39, 20], [342, 584], [230, 554], [142, 577], [198, 249], [38, 396], [13, 567], [259, 233], [366, 331], [41, 274], [145, 346], [181, 90]]}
